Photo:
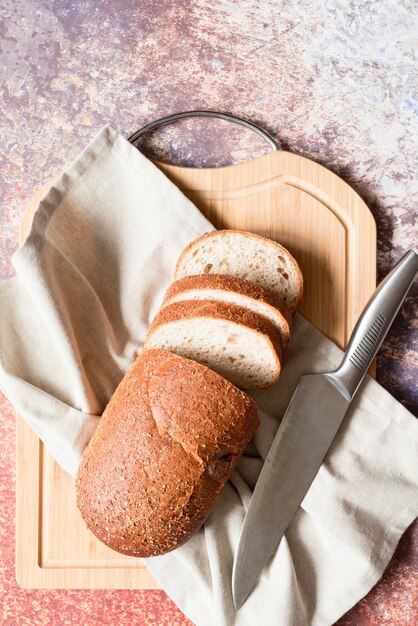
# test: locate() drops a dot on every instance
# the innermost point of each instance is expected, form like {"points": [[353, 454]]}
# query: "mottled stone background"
{"points": [[334, 80]]}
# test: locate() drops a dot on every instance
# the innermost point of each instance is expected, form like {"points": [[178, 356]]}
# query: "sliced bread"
{"points": [[234, 291], [245, 255], [244, 347]]}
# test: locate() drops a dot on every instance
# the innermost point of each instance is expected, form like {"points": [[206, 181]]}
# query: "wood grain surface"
{"points": [[291, 199]]}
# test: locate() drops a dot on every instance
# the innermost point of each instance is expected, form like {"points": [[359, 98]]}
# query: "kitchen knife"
{"points": [[307, 430]]}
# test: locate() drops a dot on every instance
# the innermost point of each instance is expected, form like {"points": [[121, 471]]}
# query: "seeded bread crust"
{"points": [[220, 233], [246, 288], [166, 444], [192, 309]]}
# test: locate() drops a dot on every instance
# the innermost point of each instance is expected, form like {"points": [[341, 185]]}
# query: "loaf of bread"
{"points": [[174, 429], [234, 290], [244, 255], [240, 345], [166, 444]]}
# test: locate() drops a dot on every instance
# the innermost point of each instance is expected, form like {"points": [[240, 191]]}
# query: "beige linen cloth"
{"points": [[90, 277]]}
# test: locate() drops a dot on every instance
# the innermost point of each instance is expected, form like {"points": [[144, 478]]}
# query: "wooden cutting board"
{"points": [[290, 199]]}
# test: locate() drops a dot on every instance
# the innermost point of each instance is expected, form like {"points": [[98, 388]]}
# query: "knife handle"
{"points": [[374, 323]]}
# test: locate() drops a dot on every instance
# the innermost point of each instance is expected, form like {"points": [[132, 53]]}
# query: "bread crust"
{"points": [[237, 285], [218, 233], [166, 444]]}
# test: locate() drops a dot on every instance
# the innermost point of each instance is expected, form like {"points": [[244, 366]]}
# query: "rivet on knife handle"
{"points": [[374, 323]]}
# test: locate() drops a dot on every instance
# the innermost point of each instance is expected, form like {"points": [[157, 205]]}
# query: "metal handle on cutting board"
{"points": [[223, 116], [374, 323]]}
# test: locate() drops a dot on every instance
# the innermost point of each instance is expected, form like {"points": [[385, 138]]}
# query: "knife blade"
{"points": [[311, 421]]}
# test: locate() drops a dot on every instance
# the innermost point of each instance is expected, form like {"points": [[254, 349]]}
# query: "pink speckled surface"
{"points": [[336, 81]]}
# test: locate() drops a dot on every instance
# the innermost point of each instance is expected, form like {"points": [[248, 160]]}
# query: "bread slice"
{"points": [[242, 346], [165, 446], [234, 291], [245, 255]]}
